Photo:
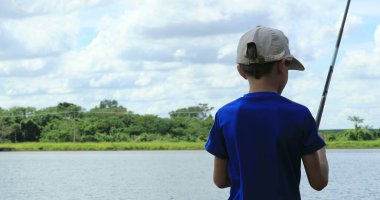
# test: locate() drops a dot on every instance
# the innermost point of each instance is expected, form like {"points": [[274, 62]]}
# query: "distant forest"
{"points": [[111, 122], [107, 122]]}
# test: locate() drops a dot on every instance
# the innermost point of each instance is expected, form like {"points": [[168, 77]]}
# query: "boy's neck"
{"points": [[263, 85]]}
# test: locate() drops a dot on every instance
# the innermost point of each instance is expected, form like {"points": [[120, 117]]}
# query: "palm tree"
{"points": [[357, 121]]}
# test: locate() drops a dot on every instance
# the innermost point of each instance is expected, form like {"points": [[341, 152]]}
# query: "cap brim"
{"points": [[296, 65]]}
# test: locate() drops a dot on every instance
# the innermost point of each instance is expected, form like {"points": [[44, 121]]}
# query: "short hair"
{"points": [[257, 70]]}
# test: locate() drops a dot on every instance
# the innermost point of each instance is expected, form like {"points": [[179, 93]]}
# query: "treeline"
{"points": [[111, 122], [359, 133], [107, 122]]}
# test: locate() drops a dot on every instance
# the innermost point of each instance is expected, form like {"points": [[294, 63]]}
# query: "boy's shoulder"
{"points": [[258, 100]]}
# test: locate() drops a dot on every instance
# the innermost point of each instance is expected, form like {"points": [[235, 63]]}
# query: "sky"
{"points": [[155, 56]]}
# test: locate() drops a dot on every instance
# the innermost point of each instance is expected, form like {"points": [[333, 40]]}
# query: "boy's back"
{"points": [[259, 140], [263, 135]]}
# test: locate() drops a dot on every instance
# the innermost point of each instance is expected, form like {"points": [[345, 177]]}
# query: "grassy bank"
{"points": [[369, 144], [104, 146]]}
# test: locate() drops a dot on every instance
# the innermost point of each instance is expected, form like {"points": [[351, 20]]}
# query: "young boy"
{"points": [[259, 139]]}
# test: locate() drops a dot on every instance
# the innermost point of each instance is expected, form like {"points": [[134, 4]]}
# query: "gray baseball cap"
{"points": [[262, 45]]}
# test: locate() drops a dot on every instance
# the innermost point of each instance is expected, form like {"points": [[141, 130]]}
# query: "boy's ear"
{"points": [[242, 74], [281, 66]]}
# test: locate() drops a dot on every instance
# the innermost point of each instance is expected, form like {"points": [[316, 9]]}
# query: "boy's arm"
{"points": [[221, 176], [317, 168]]}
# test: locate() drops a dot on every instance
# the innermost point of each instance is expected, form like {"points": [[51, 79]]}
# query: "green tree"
{"points": [[359, 134], [108, 104], [109, 107], [147, 124], [10, 122], [69, 110], [20, 113], [23, 112], [201, 111], [107, 121], [30, 130], [43, 117], [109, 118], [6, 131], [356, 120], [4, 127], [58, 130]]}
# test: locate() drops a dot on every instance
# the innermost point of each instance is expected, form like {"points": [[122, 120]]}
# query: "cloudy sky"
{"points": [[156, 56]]}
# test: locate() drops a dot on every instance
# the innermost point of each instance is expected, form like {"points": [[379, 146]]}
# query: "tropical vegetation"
{"points": [[110, 126], [107, 122]]}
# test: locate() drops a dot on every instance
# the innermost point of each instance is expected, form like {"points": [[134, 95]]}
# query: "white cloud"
{"points": [[352, 23], [33, 64], [377, 37], [154, 56], [205, 13], [42, 35], [144, 79], [33, 67], [25, 8], [104, 80], [179, 53], [354, 90], [360, 63], [229, 49], [368, 8]]}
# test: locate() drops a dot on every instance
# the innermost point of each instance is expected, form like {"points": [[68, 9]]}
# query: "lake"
{"points": [[156, 175]]}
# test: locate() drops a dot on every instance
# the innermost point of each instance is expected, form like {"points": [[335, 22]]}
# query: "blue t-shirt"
{"points": [[263, 136]]}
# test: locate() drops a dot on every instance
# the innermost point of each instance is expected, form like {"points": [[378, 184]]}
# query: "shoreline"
{"points": [[103, 146], [154, 145]]}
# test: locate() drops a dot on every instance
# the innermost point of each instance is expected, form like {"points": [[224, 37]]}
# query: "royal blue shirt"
{"points": [[263, 136]]}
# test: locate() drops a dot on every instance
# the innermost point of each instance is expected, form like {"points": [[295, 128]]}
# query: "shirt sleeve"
{"points": [[216, 144], [311, 139]]}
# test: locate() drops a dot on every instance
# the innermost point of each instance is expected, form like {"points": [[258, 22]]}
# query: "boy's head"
{"points": [[261, 48]]}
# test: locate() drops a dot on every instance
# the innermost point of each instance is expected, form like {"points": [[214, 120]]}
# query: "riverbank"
{"points": [[117, 146], [103, 146], [368, 144]]}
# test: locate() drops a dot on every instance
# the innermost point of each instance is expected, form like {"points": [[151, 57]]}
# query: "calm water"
{"points": [[355, 174]]}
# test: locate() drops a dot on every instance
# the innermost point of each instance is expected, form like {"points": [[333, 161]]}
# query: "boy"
{"points": [[259, 139]]}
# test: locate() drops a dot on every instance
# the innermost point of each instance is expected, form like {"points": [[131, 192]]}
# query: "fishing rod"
{"points": [[327, 84]]}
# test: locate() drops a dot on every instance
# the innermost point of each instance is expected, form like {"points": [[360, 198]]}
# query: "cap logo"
{"points": [[252, 55], [251, 51]]}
